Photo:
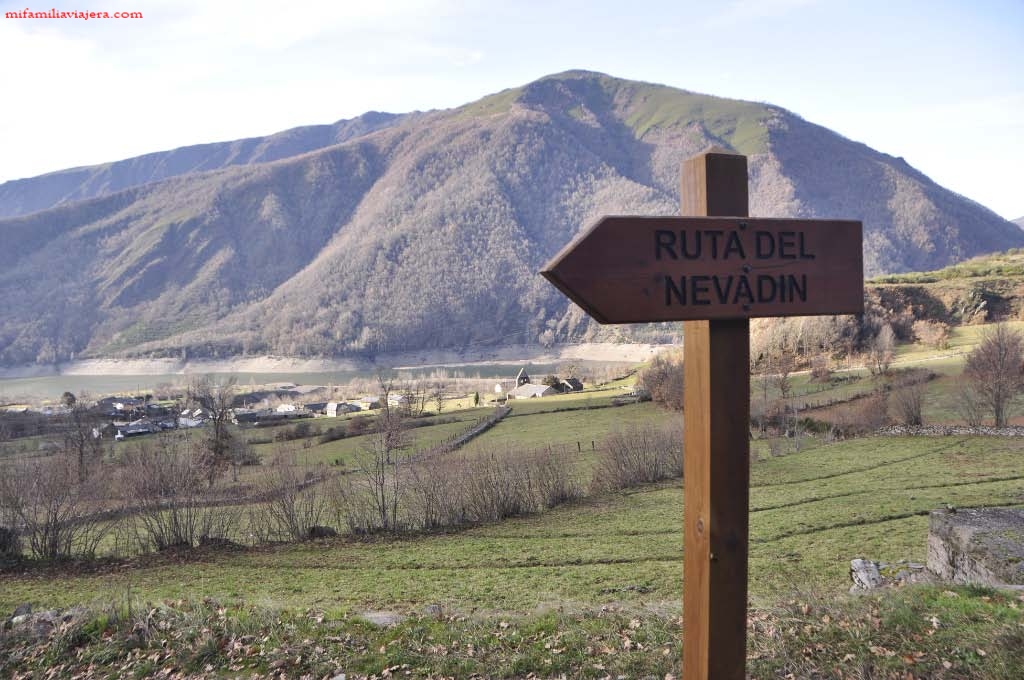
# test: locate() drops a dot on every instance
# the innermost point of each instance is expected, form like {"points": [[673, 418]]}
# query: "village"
{"points": [[120, 417]]}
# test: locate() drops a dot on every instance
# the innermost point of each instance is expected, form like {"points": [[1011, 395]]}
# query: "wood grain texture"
{"points": [[643, 269], [717, 454]]}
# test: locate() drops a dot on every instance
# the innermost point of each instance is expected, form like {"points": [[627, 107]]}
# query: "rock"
{"points": [[322, 533], [434, 610], [22, 609], [982, 546], [216, 542], [38, 625], [865, 575], [73, 614], [383, 619]]}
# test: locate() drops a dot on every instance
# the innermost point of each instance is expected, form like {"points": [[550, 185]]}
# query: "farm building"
{"points": [[334, 409], [531, 391]]}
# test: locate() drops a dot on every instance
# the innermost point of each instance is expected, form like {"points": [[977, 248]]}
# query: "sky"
{"points": [[940, 83]]}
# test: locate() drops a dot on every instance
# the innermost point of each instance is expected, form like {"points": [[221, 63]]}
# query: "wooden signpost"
{"points": [[713, 270]]}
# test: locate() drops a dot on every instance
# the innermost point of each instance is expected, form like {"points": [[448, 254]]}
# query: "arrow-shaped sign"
{"points": [[643, 269]]}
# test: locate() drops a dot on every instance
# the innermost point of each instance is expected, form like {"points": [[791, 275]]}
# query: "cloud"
{"points": [[83, 92]]}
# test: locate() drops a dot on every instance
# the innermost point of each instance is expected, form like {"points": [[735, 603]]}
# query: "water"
{"points": [[51, 387]]}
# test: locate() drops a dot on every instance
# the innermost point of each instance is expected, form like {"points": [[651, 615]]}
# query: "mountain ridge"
{"points": [[27, 195], [427, 229]]}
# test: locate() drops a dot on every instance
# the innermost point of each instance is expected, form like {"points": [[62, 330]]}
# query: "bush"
{"points": [[294, 502], [172, 496], [820, 371], [639, 455], [443, 492], [932, 333], [332, 434], [54, 506], [663, 380], [861, 416], [300, 430], [10, 543], [357, 426], [908, 403]]}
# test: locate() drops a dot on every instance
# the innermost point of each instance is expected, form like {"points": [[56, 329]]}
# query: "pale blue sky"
{"points": [[940, 83]]}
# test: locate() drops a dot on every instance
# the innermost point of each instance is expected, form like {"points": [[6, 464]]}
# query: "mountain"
{"points": [[1019, 222], [23, 196], [426, 230]]}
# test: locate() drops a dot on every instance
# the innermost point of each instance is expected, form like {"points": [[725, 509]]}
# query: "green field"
{"points": [[811, 512], [587, 589], [616, 556]]}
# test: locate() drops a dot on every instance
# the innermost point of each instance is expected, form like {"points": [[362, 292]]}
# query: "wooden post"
{"points": [[717, 459], [633, 269]]}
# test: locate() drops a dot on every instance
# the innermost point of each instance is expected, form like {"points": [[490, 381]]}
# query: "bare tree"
{"points": [[437, 396], [82, 435], [881, 351], [382, 468], [908, 403], [969, 405], [783, 384], [995, 370], [220, 448]]}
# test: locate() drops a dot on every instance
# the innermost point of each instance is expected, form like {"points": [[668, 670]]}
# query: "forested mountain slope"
{"points": [[427, 230]]}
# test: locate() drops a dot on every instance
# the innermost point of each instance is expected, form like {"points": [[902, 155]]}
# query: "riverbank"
{"points": [[611, 352]]}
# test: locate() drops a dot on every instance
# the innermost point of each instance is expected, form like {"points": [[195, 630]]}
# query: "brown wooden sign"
{"points": [[714, 273], [642, 269]]}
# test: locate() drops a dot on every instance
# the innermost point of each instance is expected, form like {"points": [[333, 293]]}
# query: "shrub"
{"points": [[908, 403], [10, 543], [165, 481], [932, 333], [54, 506], [300, 430], [357, 426], [442, 492], [861, 416], [332, 434], [663, 380], [294, 502], [639, 455]]}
